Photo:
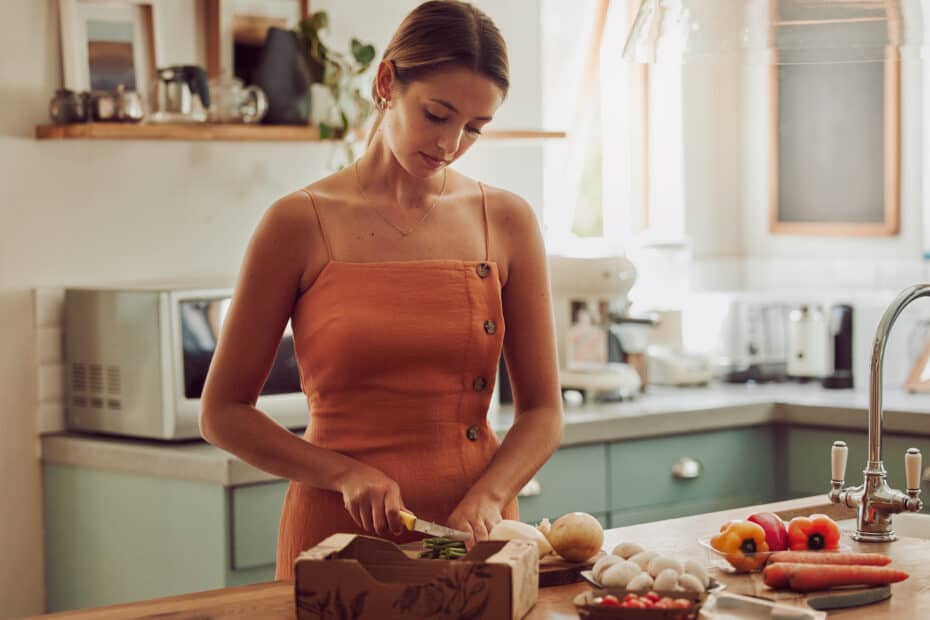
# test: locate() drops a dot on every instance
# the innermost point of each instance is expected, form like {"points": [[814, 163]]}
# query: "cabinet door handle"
{"points": [[687, 468], [530, 489]]}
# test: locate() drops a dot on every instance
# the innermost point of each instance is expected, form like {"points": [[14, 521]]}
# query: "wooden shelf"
{"points": [[200, 132]]}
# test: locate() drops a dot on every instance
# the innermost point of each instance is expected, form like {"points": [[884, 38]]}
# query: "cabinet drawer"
{"points": [[735, 463], [255, 512], [620, 518], [574, 479]]}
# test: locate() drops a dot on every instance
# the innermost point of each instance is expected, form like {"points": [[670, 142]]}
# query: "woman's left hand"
{"points": [[477, 515]]}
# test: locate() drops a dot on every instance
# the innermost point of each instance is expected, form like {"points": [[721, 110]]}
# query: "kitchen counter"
{"points": [[662, 411], [677, 537]]}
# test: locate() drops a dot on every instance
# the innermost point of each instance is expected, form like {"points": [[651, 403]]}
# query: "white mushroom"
{"points": [[627, 550], [603, 563], [690, 583], [642, 559], [697, 569], [619, 574], [640, 582], [660, 563], [666, 580]]}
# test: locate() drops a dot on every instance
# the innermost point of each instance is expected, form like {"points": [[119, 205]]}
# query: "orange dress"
{"points": [[398, 361]]}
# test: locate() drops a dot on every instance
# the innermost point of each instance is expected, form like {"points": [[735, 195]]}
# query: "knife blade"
{"points": [[415, 524], [850, 599]]}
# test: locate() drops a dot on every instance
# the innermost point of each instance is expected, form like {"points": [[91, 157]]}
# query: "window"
{"points": [[594, 181]]}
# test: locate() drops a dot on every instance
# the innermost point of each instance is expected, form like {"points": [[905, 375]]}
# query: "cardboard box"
{"points": [[367, 578]]}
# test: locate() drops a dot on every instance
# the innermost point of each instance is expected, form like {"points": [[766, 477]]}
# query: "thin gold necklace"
{"points": [[403, 231]]}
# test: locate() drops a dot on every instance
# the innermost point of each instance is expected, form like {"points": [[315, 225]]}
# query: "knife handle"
{"points": [[408, 519]]}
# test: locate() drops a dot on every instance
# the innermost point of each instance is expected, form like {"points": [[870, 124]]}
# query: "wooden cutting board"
{"points": [[554, 571]]}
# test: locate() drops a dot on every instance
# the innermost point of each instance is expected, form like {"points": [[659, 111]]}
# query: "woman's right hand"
{"points": [[372, 499]]}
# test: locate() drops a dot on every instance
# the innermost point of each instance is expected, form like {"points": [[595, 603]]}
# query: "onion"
{"points": [[576, 536], [517, 530]]}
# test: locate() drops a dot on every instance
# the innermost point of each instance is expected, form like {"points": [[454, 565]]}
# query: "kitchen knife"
{"points": [[414, 524], [850, 599]]}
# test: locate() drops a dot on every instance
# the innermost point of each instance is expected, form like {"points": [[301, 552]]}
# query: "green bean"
{"points": [[440, 547]]}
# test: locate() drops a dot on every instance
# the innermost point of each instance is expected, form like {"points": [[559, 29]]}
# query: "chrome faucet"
{"points": [[876, 501]]}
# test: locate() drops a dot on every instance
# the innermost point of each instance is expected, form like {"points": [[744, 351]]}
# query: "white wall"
{"points": [[82, 212]]}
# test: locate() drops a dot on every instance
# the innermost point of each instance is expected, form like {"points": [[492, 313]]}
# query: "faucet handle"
{"points": [[912, 466], [838, 454]]}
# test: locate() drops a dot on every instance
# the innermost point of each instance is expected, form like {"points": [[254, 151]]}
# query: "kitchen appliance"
{"points": [[744, 334], [589, 296], [668, 366], [810, 346], [233, 102], [840, 372], [182, 94], [129, 106], [136, 360]]}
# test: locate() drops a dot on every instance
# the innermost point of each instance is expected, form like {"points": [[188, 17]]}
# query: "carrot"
{"points": [[811, 577], [776, 575], [829, 557]]}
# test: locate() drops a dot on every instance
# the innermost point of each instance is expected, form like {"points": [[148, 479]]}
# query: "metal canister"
{"points": [[66, 107]]}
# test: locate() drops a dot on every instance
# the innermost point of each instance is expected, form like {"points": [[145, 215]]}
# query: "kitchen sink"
{"points": [[909, 524]]}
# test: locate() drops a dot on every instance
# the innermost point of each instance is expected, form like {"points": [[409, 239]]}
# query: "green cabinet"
{"points": [[808, 459], [655, 478], [255, 511], [573, 479], [114, 537]]}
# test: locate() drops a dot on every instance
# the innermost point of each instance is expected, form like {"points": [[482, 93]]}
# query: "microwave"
{"points": [[136, 359]]}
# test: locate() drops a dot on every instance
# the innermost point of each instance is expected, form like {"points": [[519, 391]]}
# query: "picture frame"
{"points": [[846, 182], [236, 31], [108, 42]]}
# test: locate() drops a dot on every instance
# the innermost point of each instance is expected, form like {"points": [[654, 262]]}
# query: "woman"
{"points": [[399, 276]]}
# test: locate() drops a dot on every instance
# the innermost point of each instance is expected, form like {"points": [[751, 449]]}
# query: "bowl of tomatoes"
{"points": [[609, 603]]}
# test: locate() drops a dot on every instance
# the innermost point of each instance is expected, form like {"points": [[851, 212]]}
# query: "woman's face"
{"points": [[432, 122]]}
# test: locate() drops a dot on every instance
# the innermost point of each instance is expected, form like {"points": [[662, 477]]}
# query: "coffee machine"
{"points": [[602, 349], [820, 344]]}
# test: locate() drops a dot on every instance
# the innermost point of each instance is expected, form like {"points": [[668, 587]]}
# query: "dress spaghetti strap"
{"points": [[487, 236], [319, 220]]}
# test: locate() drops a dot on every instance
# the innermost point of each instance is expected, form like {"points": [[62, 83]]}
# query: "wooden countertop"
{"points": [[677, 537]]}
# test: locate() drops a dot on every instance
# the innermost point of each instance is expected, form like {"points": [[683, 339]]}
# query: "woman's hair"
{"points": [[442, 34]]}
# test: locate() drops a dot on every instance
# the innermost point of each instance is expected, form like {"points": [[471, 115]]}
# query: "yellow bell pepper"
{"points": [[743, 544]]}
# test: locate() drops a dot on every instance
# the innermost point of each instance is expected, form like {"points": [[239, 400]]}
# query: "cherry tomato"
{"points": [[652, 596], [681, 603], [634, 604], [609, 600], [630, 597]]}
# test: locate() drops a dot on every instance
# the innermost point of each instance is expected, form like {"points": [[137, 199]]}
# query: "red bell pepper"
{"points": [[815, 533]]}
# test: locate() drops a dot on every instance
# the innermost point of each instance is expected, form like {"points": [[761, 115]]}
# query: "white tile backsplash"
{"points": [[48, 306], [49, 344]]}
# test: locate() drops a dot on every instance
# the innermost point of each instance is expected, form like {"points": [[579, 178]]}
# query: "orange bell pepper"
{"points": [[743, 544], [814, 533]]}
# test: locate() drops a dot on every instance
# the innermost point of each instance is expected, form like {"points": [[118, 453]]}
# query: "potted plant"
{"points": [[341, 75]]}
